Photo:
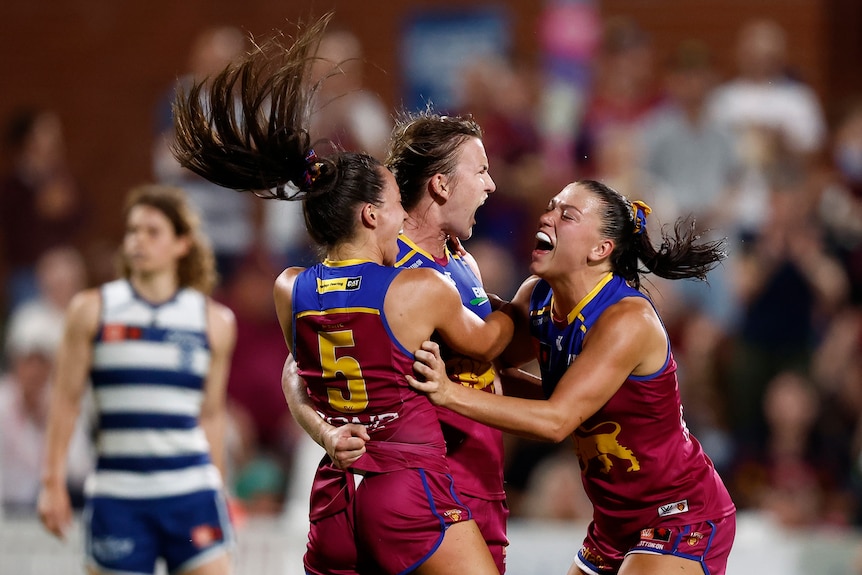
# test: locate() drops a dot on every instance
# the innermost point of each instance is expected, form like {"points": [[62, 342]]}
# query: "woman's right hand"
{"points": [[345, 444], [55, 509]]}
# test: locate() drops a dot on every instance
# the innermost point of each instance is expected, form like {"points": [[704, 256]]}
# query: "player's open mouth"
{"points": [[543, 242]]}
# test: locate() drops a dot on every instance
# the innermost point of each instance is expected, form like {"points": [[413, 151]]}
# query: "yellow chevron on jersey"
{"points": [[313, 312]]}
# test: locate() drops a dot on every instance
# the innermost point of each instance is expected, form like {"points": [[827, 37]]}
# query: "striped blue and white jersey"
{"points": [[150, 364]]}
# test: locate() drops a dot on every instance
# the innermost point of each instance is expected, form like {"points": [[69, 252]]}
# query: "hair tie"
{"points": [[641, 212], [312, 168]]}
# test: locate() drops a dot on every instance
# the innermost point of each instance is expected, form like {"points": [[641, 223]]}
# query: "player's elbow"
{"points": [[556, 429], [555, 434]]}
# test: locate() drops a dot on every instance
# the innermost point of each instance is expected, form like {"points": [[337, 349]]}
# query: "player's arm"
{"points": [[221, 331], [515, 381], [520, 350], [74, 359], [422, 301], [620, 343], [344, 444], [282, 293]]}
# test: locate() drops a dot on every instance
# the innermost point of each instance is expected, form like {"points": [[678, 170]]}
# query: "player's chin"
{"points": [[538, 262]]}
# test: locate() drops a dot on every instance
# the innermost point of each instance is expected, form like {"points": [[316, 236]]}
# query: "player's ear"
{"points": [[368, 214], [439, 187], [602, 250]]}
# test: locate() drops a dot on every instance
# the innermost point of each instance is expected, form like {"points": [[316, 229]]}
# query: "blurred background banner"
{"points": [[437, 43]]}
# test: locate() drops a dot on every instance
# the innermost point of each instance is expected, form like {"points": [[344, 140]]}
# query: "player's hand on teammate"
{"points": [[431, 377], [345, 444]]}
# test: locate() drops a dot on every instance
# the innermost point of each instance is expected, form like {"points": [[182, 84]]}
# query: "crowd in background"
{"points": [[768, 349]]}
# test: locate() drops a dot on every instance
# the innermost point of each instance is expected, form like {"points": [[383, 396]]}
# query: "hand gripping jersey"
{"points": [[355, 368], [640, 465], [474, 450], [149, 366]]}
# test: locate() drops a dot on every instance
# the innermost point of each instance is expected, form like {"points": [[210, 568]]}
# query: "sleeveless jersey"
{"points": [[355, 368], [474, 450], [640, 465], [149, 367]]}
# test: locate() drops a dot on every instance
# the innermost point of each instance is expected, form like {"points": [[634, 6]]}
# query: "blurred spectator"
{"points": [[686, 150], [795, 477], [254, 386], [24, 396], [230, 220], [345, 111], [766, 96], [841, 198], [60, 273], [255, 376], [497, 95], [41, 203], [837, 371], [624, 92], [773, 115], [260, 486], [791, 288], [695, 162], [346, 114], [792, 492]]}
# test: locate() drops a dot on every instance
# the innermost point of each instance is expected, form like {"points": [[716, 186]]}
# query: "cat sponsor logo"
{"points": [[338, 284]]}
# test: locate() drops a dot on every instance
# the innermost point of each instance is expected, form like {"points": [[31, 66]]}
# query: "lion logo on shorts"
{"points": [[600, 446], [454, 515]]}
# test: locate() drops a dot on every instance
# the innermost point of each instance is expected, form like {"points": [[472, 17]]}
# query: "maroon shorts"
{"points": [[708, 543], [392, 524], [490, 517]]}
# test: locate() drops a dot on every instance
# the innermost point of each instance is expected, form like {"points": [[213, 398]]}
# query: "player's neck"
{"points": [[426, 235], [155, 287]]}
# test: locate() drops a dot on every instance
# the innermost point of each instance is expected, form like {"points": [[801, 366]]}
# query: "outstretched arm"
{"points": [[627, 339]]}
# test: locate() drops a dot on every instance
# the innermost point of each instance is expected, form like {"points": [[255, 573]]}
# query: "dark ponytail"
{"points": [[246, 129], [679, 256]]}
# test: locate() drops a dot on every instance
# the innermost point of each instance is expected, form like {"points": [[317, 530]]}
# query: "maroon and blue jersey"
{"points": [[355, 368], [474, 450], [640, 465]]}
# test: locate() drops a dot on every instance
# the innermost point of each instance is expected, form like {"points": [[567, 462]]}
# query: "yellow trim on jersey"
{"points": [[414, 249], [540, 311], [576, 313], [343, 263], [314, 312]]}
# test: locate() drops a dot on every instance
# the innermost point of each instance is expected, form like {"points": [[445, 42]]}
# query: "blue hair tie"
{"points": [[641, 212]]}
